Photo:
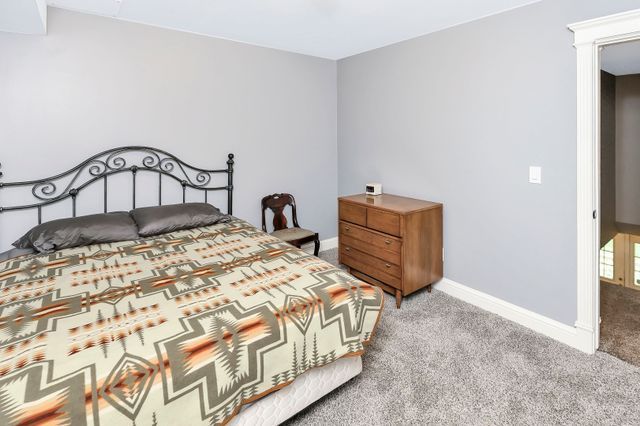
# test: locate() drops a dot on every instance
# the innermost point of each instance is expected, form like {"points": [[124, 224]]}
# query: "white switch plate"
{"points": [[535, 174]]}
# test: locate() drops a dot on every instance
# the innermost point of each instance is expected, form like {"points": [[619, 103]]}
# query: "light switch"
{"points": [[535, 174]]}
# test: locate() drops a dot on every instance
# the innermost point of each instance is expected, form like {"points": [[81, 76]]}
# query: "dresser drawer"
{"points": [[373, 238], [382, 221], [380, 253], [361, 262], [353, 213], [370, 261]]}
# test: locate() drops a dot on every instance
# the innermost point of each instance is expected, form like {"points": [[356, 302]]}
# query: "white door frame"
{"points": [[590, 37]]}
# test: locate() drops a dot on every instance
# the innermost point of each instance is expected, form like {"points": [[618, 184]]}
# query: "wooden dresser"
{"points": [[390, 241]]}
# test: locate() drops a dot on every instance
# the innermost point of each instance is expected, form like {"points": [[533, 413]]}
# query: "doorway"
{"points": [[590, 37], [619, 265]]}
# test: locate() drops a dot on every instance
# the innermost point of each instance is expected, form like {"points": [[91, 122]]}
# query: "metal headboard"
{"points": [[114, 161]]}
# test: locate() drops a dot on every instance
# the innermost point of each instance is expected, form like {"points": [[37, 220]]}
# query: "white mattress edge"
{"points": [[306, 389]]}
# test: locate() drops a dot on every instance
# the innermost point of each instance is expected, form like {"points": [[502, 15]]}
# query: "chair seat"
{"points": [[292, 234]]}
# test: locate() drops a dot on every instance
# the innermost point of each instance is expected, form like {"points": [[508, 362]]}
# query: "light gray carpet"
{"points": [[440, 360], [620, 328]]}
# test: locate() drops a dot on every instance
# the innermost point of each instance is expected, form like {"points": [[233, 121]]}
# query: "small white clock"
{"points": [[373, 189]]}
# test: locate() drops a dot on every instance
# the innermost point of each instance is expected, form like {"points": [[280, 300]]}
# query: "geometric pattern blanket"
{"points": [[183, 328]]}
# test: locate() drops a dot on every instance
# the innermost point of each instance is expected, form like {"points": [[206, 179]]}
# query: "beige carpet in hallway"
{"points": [[620, 327]]}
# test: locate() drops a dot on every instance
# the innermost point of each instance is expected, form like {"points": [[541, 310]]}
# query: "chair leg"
{"points": [[316, 243]]}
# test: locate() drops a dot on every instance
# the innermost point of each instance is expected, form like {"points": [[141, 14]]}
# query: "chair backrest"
{"points": [[276, 203]]}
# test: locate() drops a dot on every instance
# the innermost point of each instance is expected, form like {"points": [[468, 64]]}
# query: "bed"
{"points": [[221, 324]]}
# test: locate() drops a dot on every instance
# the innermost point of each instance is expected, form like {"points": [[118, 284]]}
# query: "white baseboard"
{"points": [[328, 244], [572, 336]]}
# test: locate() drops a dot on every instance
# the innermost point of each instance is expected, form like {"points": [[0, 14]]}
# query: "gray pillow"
{"points": [[79, 231], [174, 217], [16, 252]]}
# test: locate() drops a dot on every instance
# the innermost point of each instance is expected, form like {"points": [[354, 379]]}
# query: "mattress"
{"points": [[304, 391], [182, 328]]}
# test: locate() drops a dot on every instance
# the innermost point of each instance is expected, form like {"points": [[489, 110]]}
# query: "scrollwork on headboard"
{"points": [[131, 159]]}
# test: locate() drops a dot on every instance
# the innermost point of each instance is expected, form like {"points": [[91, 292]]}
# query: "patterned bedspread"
{"points": [[179, 329]]}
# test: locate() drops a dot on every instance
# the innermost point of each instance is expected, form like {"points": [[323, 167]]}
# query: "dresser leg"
{"points": [[398, 299], [429, 288]]}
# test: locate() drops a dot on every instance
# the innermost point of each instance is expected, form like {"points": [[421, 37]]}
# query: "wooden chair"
{"points": [[295, 236]]}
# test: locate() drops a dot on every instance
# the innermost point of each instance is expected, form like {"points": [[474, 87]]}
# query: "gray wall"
{"points": [[628, 149], [93, 83], [608, 228], [458, 116]]}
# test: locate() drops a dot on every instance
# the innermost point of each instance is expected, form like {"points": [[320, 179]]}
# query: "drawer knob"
{"points": [[387, 242], [387, 265], [347, 228], [347, 248]]}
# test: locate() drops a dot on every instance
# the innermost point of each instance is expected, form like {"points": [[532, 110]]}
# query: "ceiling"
{"points": [[621, 58], [23, 16], [327, 28]]}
